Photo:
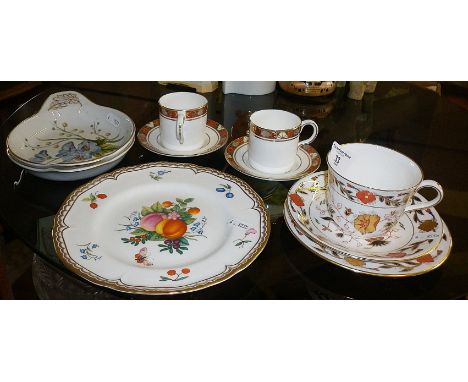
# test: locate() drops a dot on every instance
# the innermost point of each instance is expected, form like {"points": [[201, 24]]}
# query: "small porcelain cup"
{"points": [[182, 120], [274, 140], [369, 192]]}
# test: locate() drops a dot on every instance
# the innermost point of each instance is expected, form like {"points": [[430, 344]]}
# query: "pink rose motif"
{"points": [[250, 231]]}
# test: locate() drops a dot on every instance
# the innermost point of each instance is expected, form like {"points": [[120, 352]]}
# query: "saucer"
{"points": [[236, 154], [375, 267], [417, 233], [216, 137]]}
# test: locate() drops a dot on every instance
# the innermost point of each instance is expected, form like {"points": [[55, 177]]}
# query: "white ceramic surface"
{"points": [[149, 137], [69, 167], [376, 182], [375, 267], [237, 155], [415, 234], [70, 130], [67, 174], [183, 131], [161, 228], [274, 139]]}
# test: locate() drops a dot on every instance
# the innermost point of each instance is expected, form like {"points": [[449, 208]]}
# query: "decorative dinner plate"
{"points": [[216, 137], [417, 233], [375, 267], [236, 154], [70, 130], [161, 228]]}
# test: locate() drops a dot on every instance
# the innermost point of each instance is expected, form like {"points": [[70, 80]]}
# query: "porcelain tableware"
{"points": [[216, 137], [72, 167], [274, 140], [183, 118], [416, 233], [370, 187], [375, 267], [71, 174], [161, 228], [237, 155], [69, 130]]}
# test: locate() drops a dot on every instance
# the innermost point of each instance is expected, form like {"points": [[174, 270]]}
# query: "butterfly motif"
{"points": [[142, 257]]}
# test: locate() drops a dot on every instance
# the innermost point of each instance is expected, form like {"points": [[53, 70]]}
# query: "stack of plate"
{"points": [[418, 243], [71, 138]]}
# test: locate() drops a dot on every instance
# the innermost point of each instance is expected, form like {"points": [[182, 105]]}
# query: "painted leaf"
{"points": [[146, 210], [189, 200], [157, 207], [139, 231], [183, 240]]}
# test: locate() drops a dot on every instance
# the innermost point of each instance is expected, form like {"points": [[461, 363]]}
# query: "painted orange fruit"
{"points": [[166, 204], [173, 229], [193, 211], [160, 226]]}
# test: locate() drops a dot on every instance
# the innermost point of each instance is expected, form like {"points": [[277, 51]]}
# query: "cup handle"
{"points": [[314, 134], [180, 125], [431, 203]]}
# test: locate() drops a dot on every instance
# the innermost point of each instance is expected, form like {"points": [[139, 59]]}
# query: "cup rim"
{"points": [[192, 109], [272, 130], [421, 178]]}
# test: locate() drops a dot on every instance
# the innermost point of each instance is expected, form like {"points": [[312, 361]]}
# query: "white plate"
{"points": [[415, 234], [216, 137], [67, 174], [161, 228], [375, 267], [70, 130], [236, 154]]}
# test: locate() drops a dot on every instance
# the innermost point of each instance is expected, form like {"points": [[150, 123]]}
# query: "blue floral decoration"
{"points": [[40, 157]]}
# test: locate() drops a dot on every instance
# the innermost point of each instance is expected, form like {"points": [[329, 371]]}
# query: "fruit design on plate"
{"points": [[167, 222], [93, 198]]}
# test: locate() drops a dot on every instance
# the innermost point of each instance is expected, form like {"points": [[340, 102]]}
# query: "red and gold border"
{"points": [[275, 135], [189, 114]]}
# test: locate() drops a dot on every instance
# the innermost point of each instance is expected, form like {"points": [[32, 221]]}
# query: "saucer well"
{"points": [[375, 267], [236, 154], [416, 233], [216, 137]]}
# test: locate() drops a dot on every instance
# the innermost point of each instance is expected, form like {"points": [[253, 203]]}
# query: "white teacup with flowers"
{"points": [[370, 187]]}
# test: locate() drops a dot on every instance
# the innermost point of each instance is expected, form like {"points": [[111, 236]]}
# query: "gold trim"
{"points": [[349, 267], [274, 139], [190, 114], [273, 135], [409, 189], [241, 141], [219, 129], [230, 270], [334, 247]]}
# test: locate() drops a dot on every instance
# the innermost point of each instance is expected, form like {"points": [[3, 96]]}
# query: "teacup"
{"points": [[274, 140], [182, 120], [371, 187]]}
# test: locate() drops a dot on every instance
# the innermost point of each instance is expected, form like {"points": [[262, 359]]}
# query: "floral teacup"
{"points": [[371, 187]]}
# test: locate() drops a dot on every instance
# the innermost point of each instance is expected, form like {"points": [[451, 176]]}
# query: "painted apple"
{"points": [[150, 221]]}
